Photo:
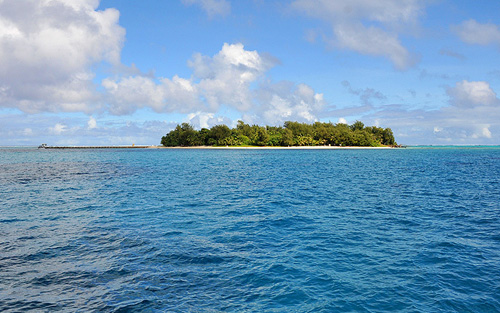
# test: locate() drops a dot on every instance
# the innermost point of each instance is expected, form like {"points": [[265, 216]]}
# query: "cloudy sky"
{"points": [[80, 72]]}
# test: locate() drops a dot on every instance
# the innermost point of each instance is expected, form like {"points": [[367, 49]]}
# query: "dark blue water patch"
{"points": [[411, 230], [46, 172]]}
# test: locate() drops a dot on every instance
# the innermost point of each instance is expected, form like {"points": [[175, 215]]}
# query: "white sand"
{"points": [[267, 148]]}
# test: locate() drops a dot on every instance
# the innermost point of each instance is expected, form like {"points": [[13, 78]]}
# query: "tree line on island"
{"points": [[290, 134]]}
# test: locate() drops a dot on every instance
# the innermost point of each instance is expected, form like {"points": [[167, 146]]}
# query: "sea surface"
{"points": [[145, 230]]}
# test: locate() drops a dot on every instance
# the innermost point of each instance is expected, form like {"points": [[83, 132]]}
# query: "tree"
{"points": [[291, 134], [286, 137], [388, 137], [219, 133], [357, 126], [261, 137], [203, 136], [299, 129]]}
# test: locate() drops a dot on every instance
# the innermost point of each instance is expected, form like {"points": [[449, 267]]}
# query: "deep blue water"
{"points": [[402, 230]]}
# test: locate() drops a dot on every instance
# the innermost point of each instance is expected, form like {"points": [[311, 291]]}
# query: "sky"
{"points": [[121, 72]]}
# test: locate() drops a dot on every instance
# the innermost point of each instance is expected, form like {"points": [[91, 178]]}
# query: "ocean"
{"points": [[161, 230]]}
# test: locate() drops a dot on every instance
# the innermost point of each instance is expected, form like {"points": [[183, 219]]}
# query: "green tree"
{"points": [[388, 137], [243, 129], [357, 126], [261, 137], [219, 133], [204, 136], [291, 134], [286, 137], [182, 135], [299, 129]]}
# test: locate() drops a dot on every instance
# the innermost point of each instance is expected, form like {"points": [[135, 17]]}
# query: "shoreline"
{"points": [[221, 148], [273, 148]]}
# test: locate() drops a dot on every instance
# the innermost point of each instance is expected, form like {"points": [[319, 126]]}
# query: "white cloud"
{"points": [[349, 17], [233, 78], [200, 119], [482, 132], [486, 132], [47, 49], [58, 129], [128, 94], [456, 125], [72, 130], [470, 94], [206, 120], [226, 78], [471, 118], [92, 123], [373, 41], [211, 7], [386, 11], [472, 32], [286, 101], [437, 129], [342, 120]]}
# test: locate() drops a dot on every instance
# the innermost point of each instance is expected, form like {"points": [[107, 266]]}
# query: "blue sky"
{"points": [[81, 72]]}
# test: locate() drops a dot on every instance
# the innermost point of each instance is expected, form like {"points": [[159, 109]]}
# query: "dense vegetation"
{"points": [[291, 134]]}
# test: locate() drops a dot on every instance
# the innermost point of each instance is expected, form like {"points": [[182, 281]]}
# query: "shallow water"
{"points": [[403, 230]]}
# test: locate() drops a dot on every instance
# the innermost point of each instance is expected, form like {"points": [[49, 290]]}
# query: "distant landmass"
{"points": [[290, 134]]}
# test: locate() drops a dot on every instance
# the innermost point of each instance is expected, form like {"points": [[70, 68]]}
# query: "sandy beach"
{"points": [[273, 148], [220, 147]]}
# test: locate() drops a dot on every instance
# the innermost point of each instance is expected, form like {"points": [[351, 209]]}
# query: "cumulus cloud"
{"points": [[92, 123], [127, 94], [472, 117], [58, 129], [226, 78], [374, 41], [348, 19], [207, 120], [47, 49], [482, 132], [472, 32], [211, 7], [234, 78], [285, 101], [471, 94], [342, 120]]}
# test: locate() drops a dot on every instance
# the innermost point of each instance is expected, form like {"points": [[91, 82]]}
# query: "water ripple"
{"points": [[262, 231]]}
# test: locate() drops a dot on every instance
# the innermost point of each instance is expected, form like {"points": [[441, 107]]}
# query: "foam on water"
{"points": [[406, 230]]}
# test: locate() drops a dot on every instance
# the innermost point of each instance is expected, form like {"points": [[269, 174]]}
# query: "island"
{"points": [[291, 134]]}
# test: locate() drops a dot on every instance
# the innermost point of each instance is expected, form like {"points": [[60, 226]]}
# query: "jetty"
{"points": [[95, 147]]}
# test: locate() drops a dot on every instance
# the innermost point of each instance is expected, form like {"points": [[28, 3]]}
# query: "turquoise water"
{"points": [[402, 230]]}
